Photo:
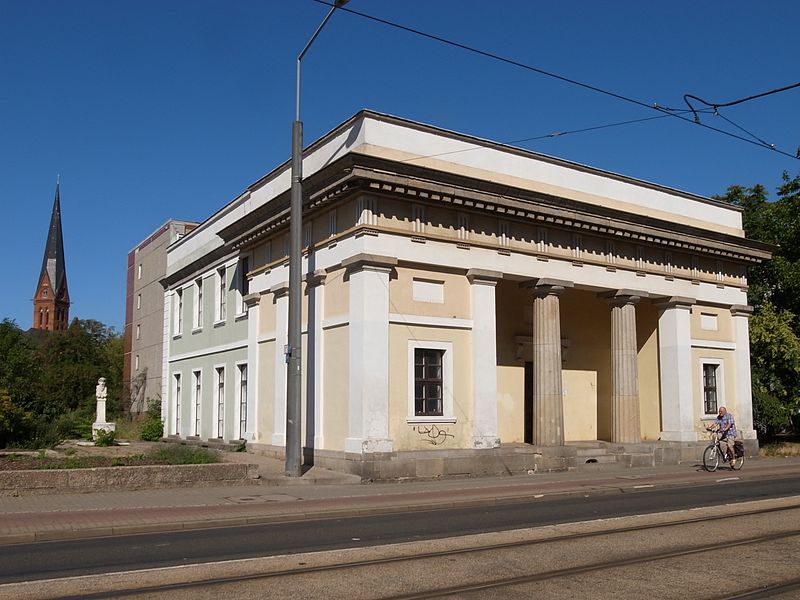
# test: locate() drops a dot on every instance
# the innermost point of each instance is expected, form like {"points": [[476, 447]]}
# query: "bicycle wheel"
{"points": [[739, 463], [711, 458]]}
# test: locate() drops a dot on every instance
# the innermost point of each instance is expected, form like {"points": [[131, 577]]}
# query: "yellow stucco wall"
{"points": [[416, 436], [456, 294], [649, 381], [335, 388], [724, 322], [266, 314], [337, 294], [266, 391], [586, 364]]}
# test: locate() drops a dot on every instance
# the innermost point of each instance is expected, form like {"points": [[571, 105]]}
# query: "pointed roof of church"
{"points": [[53, 262]]}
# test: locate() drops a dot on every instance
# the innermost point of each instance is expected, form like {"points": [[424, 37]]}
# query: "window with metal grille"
{"points": [[428, 382], [710, 388]]}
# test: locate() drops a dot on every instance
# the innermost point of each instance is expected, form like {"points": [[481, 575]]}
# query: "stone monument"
{"points": [[100, 424]]}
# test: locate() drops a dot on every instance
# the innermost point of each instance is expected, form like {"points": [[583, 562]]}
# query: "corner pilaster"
{"points": [[368, 418]]}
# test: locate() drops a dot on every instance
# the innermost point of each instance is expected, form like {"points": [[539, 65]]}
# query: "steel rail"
{"points": [[474, 549]]}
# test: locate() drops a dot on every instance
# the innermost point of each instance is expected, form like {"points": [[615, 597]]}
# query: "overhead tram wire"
{"points": [[655, 106]]}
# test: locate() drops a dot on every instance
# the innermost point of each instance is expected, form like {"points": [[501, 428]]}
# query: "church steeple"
{"points": [[51, 301]]}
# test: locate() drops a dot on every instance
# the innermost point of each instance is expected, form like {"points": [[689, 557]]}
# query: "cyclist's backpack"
{"points": [[739, 448]]}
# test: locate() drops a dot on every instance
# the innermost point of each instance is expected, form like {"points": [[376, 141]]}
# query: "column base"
{"points": [[278, 439], [366, 446], [748, 434], [486, 441]]}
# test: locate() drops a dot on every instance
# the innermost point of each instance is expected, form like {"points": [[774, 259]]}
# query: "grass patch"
{"points": [[167, 454], [780, 449], [176, 454]]}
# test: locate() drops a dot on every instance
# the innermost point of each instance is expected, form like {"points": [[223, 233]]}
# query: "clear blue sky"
{"points": [[157, 110]]}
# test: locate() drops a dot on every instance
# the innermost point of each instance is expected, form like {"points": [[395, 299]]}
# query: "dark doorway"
{"points": [[528, 402]]}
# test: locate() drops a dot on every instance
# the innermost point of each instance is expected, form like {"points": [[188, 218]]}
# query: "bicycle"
{"points": [[714, 451]]}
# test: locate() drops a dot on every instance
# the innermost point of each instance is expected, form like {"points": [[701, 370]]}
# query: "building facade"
{"points": [[468, 307], [51, 299], [144, 315]]}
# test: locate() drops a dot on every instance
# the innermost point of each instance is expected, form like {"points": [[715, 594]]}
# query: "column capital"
{"points": [[741, 310], [675, 302], [623, 297], [369, 262], [546, 287], [316, 278], [251, 300], [482, 276], [280, 289]]}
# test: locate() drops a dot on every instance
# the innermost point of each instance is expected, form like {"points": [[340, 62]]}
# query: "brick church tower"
{"points": [[51, 301]]}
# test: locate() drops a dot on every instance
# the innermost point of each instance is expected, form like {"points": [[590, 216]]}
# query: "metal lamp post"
{"points": [[294, 449]]}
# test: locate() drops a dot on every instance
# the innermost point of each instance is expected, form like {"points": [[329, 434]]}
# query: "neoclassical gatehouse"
{"points": [[468, 307]]}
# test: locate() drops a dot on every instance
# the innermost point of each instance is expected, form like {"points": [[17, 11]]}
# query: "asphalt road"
{"points": [[26, 562]]}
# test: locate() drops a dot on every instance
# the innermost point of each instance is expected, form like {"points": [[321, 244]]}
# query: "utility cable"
{"points": [[716, 106], [655, 106]]}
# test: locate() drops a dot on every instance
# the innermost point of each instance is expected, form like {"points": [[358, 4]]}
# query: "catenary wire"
{"points": [[716, 105], [655, 106]]}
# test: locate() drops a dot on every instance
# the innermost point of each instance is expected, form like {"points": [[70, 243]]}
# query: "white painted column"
{"points": [[315, 402], [253, 304], [678, 413], [484, 357], [281, 299], [743, 411], [368, 407]]}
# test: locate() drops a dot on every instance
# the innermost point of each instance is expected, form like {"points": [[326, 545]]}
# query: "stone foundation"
{"points": [[508, 459]]}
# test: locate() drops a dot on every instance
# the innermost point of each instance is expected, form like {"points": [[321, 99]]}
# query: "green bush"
{"points": [[104, 438], [152, 428], [15, 424]]}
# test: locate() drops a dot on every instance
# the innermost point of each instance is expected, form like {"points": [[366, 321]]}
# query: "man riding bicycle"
{"points": [[727, 429]]}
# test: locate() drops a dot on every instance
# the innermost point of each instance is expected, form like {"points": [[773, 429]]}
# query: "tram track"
{"points": [[481, 587]]}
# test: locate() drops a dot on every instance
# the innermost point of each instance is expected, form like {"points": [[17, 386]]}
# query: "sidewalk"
{"points": [[321, 493]]}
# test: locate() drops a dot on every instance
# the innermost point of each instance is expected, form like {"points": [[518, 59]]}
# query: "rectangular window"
{"points": [[178, 312], [138, 301], [198, 395], [136, 363], [198, 309], [220, 401], [428, 382], [138, 332], [177, 394], [710, 391], [222, 295], [243, 285], [242, 401], [139, 271]]}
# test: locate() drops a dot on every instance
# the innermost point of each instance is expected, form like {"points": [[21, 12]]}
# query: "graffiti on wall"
{"points": [[434, 434]]}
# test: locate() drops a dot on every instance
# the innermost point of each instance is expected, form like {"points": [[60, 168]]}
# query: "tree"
{"points": [[775, 294], [20, 367]]}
